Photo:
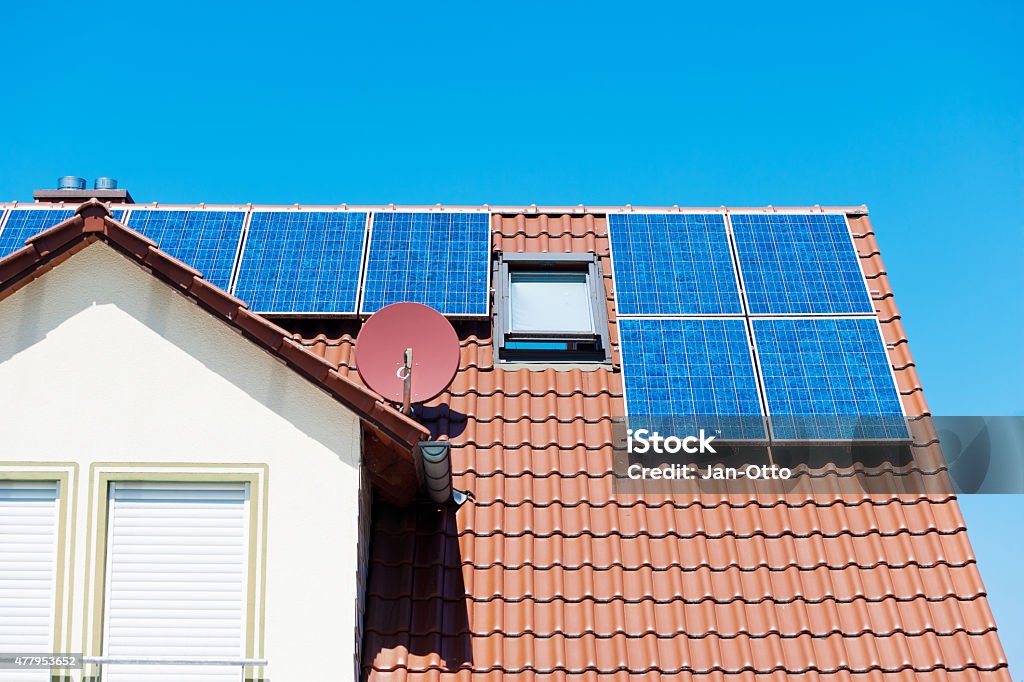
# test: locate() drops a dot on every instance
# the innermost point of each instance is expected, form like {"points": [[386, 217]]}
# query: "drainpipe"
{"points": [[437, 469]]}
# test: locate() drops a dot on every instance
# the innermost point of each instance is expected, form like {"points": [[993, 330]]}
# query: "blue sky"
{"points": [[916, 109]]}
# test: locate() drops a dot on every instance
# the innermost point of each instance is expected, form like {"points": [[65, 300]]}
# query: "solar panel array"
{"points": [[697, 367], [673, 264], [821, 368], [312, 262], [205, 240], [794, 264], [302, 262], [439, 259], [22, 223]]}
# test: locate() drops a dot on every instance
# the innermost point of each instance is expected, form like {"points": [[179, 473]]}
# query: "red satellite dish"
{"points": [[381, 348]]}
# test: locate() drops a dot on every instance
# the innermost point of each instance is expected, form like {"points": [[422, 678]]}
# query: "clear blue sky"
{"points": [[916, 109]]}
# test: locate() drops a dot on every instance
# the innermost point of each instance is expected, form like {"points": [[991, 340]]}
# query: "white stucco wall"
{"points": [[102, 363]]}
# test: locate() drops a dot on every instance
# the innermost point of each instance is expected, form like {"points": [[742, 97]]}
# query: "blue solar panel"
{"points": [[680, 367], [302, 262], [799, 264], [672, 264], [439, 259], [23, 223], [204, 240], [828, 379]]}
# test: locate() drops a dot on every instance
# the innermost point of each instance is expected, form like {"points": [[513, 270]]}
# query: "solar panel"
{"points": [[692, 367], [204, 240], [828, 379], [672, 264], [439, 259], [23, 223], [799, 264], [302, 261]]}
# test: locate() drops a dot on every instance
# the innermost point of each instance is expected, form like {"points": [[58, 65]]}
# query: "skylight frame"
{"points": [[587, 263]]}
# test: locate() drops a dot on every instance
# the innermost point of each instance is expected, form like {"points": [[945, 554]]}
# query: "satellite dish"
{"points": [[398, 331]]}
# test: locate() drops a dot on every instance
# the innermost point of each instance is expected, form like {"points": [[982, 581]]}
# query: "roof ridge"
{"points": [[578, 210]]}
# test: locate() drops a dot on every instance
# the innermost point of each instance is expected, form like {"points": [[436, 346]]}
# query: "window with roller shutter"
{"points": [[28, 572], [176, 576]]}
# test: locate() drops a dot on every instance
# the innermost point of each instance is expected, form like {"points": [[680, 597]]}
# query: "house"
{"points": [[184, 478]]}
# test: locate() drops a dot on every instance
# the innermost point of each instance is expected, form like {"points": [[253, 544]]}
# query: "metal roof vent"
{"points": [[67, 182], [71, 189]]}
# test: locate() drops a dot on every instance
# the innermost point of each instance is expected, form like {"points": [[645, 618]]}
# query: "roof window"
{"points": [[550, 308]]}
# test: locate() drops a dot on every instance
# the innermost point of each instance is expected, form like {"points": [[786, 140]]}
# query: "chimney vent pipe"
{"points": [[70, 182]]}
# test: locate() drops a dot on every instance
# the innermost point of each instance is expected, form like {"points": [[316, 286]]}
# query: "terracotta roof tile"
{"points": [[548, 572]]}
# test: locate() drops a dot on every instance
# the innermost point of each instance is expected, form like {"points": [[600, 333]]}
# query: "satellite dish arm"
{"points": [[406, 377]]}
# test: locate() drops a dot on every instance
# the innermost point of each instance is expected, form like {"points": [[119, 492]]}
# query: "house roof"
{"points": [[392, 437], [548, 570]]}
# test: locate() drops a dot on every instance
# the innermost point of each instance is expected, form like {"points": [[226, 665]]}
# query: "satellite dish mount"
{"points": [[405, 374]]}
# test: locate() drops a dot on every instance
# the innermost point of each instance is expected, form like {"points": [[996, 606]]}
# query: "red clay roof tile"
{"points": [[548, 571]]}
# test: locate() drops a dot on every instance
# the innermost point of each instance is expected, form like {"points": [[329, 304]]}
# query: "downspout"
{"points": [[437, 469]]}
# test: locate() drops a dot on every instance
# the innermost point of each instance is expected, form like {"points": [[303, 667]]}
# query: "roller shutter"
{"points": [[28, 572], [177, 560]]}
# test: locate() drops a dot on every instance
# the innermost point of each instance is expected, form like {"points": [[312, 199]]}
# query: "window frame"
{"points": [[103, 474], [587, 263], [65, 475]]}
